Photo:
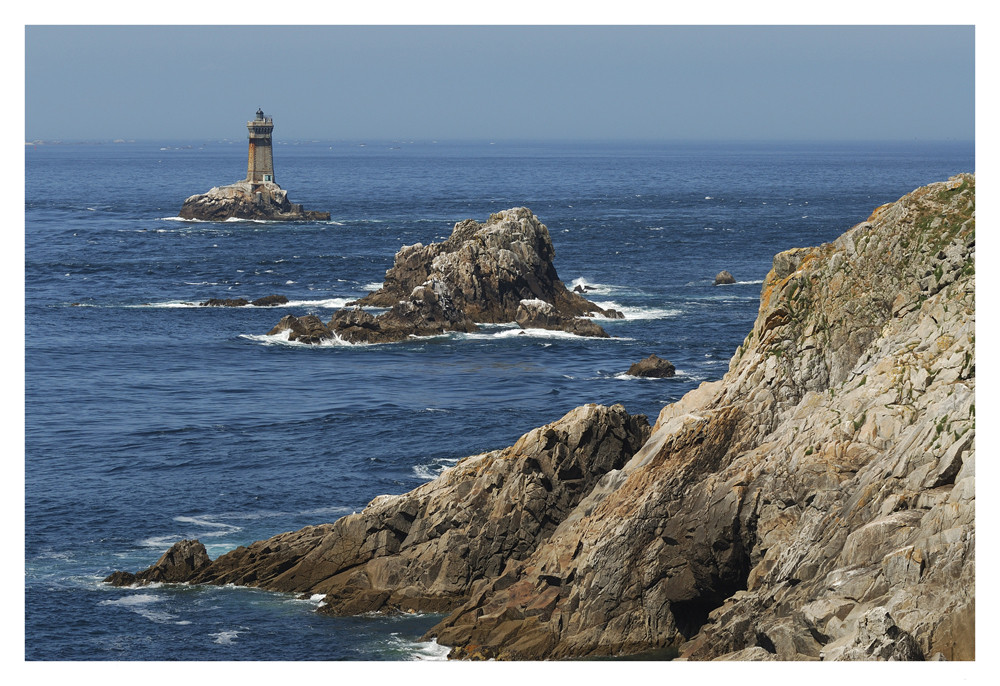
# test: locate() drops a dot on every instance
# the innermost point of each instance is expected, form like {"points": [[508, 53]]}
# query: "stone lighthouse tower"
{"points": [[260, 164]]}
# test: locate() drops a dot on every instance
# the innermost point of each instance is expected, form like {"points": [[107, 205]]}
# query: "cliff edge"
{"points": [[817, 502]]}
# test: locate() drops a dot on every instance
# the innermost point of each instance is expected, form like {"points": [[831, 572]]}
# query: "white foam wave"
{"points": [[182, 219], [281, 338], [139, 605], [326, 303], [433, 469], [588, 287], [373, 286], [751, 283], [631, 312], [429, 650], [221, 527], [227, 637], [531, 333]]}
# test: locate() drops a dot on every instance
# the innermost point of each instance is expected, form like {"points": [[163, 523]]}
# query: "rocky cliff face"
{"points": [[818, 502], [245, 201]]}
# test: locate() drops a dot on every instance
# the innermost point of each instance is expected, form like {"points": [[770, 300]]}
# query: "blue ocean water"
{"points": [[150, 419]]}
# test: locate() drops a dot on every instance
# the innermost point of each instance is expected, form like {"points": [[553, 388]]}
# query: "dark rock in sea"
{"points": [[183, 561], [652, 367], [538, 314], [243, 200], [120, 579], [225, 302], [307, 329], [270, 301], [724, 277]]}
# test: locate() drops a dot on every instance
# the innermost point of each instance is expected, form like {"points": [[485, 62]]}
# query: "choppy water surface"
{"points": [[151, 419]]}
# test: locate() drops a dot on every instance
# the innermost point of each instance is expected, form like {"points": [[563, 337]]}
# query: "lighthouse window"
{"points": [[267, 177]]}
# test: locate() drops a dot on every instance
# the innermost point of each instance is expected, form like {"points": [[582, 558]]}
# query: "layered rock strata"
{"points": [[496, 272], [243, 200], [817, 502]]}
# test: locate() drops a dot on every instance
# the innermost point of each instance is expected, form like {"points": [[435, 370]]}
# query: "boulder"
{"points": [[724, 277], [243, 200], [652, 367]]}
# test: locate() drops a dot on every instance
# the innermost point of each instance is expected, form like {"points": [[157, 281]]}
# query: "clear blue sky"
{"points": [[461, 82]]}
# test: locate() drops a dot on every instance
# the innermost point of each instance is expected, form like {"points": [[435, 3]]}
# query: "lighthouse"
{"points": [[260, 164]]}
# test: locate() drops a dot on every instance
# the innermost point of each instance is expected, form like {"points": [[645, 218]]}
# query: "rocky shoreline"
{"points": [[816, 503]]}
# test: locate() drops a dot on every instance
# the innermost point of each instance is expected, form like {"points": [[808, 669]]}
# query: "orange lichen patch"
{"points": [[877, 214]]}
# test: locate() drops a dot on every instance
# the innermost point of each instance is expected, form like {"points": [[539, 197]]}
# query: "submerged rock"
{"points": [[652, 367], [723, 277], [243, 200]]}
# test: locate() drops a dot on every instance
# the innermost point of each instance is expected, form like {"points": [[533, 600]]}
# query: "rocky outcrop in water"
{"points": [[817, 502], [496, 272], [723, 278], [243, 200], [653, 367], [266, 301]]}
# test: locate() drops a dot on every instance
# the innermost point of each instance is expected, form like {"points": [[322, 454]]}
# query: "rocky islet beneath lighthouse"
{"points": [[257, 196]]}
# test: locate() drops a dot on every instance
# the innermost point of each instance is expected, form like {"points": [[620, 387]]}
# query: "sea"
{"points": [[150, 418]]}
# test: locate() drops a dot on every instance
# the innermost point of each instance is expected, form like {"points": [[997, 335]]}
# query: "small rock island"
{"points": [[257, 196]]}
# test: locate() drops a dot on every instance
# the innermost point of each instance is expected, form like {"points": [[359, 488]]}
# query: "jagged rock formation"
{"points": [[243, 200], [817, 502], [496, 272], [653, 367]]}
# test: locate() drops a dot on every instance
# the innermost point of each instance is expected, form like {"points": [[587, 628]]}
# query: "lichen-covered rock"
{"points": [[653, 367], [243, 200]]}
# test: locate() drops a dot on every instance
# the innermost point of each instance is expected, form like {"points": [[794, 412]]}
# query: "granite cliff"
{"points": [[817, 502]]}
